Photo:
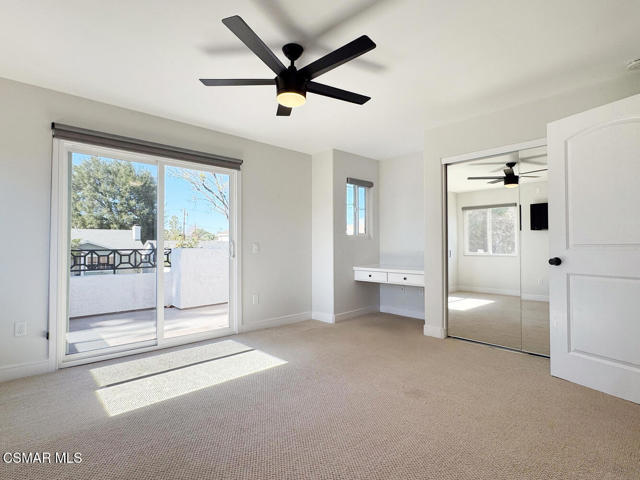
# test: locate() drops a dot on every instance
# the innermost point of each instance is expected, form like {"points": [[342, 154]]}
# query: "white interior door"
{"points": [[594, 229]]}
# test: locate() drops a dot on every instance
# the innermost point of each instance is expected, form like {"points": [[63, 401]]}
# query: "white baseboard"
{"points": [[276, 321], [402, 311], [339, 317], [496, 291], [433, 331], [535, 298], [11, 372], [491, 291], [323, 317]]}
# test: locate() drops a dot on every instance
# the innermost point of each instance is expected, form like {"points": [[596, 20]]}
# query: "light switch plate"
{"points": [[255, 247]]}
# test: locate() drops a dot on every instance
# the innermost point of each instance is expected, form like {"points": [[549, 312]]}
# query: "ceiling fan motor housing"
{"points": [[291, 81]]}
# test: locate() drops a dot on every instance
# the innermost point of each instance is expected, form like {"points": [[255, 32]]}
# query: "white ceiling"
{"points": [[442, 60], [527, 160]]}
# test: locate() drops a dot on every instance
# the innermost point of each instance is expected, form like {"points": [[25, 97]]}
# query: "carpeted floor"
{"points": [[368, 398]]}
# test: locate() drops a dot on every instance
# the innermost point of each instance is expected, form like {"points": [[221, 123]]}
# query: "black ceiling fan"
{"points": [[510, 178], [292, 84]]}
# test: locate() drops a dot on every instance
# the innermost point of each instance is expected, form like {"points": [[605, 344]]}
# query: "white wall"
{"points": [[452, 236], [401, 198], [336, 296], [199, 276], [351, 297], [483, 273], [322, 237], [525, 274], [517, 124], [534, 267], [276, 202]]}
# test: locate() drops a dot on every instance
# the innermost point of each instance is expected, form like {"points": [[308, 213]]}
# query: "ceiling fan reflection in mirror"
{"points": [[510, 179], [292, 85]]}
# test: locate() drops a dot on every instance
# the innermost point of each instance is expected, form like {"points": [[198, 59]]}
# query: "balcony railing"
{"points": [[92, 260]]}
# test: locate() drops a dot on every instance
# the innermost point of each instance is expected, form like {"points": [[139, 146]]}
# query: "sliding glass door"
{"points": [[149, 256], [196, 235]]}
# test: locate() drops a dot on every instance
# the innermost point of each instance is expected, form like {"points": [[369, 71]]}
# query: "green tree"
{"points": [[112, 194], [173, 229], [203, 234]]}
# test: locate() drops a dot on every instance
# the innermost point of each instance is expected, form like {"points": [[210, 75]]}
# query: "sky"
{"points": [[179, 196]]}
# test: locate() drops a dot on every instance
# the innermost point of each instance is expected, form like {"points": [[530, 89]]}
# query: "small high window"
{"points": [[357, 196]]}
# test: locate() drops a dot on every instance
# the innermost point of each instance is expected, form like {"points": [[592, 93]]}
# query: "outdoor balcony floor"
{"points": [[113, 329]]}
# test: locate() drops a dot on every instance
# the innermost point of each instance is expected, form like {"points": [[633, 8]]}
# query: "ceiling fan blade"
{"points": [[222, 82], [485, 178], [534, 171], [488, 163], [337, 93], [496, 181], [529, 176], [283, 111], [238, 26], [336, 58]]}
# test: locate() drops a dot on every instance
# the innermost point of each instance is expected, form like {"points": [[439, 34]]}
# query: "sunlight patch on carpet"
{"points": [[464, 304], [143, 392], [141, 367]]}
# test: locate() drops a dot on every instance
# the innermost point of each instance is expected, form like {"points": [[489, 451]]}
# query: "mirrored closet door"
{"points": [[497, 250]]}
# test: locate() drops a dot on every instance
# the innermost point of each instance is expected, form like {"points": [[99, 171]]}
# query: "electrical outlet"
{"points": [[403, 290], [256, 299], [19, 329], [541, 281]]}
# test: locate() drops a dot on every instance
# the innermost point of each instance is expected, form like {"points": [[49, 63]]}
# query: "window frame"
{"points": [[489, 208], [356, 209]]}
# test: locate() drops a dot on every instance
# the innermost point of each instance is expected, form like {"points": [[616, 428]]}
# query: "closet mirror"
{"points": [[497, 249]]}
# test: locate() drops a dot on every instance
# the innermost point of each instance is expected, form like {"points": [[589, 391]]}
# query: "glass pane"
{"points": [[112, 284], [477, 241], [362, 216], [350, 214], [534, 253], [503, 230], [483, 288], [196, 243]]}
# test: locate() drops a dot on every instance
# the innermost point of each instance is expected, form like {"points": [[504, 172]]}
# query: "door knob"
{"points": [[555, 261]]}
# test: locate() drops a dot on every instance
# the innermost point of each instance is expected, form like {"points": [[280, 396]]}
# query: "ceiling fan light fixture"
{"points": [[291, 99], [511, 181]]}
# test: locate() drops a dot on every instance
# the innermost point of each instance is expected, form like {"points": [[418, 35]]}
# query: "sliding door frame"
{"points": [[59, 258]]}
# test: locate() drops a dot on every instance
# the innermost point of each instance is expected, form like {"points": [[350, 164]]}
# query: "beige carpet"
{"points": [[369, 398], [504, 320]]}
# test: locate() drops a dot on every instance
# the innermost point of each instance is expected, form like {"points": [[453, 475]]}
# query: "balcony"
{"points": [[112, 294]]}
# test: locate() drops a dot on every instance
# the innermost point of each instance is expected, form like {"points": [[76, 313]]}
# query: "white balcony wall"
{"points": [[197, 277], [104, 293]]}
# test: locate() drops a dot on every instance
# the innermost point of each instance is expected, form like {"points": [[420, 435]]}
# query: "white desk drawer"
{"points": [[370, 276], [406, 279]]}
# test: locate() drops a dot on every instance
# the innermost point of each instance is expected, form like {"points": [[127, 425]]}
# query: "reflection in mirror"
{"points": [[498, 290]]}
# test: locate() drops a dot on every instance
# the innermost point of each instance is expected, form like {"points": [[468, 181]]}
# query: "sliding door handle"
{"points": [[555, 261]]}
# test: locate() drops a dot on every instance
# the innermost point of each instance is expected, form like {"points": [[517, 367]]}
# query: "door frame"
{"points": [[59, 264], [466, 157]]}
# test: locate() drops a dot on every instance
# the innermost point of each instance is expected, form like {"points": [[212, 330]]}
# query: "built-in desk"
{"points": [[411, 276]]}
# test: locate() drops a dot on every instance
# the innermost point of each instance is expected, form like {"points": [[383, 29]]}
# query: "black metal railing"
{"points": [[92, 260]]}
